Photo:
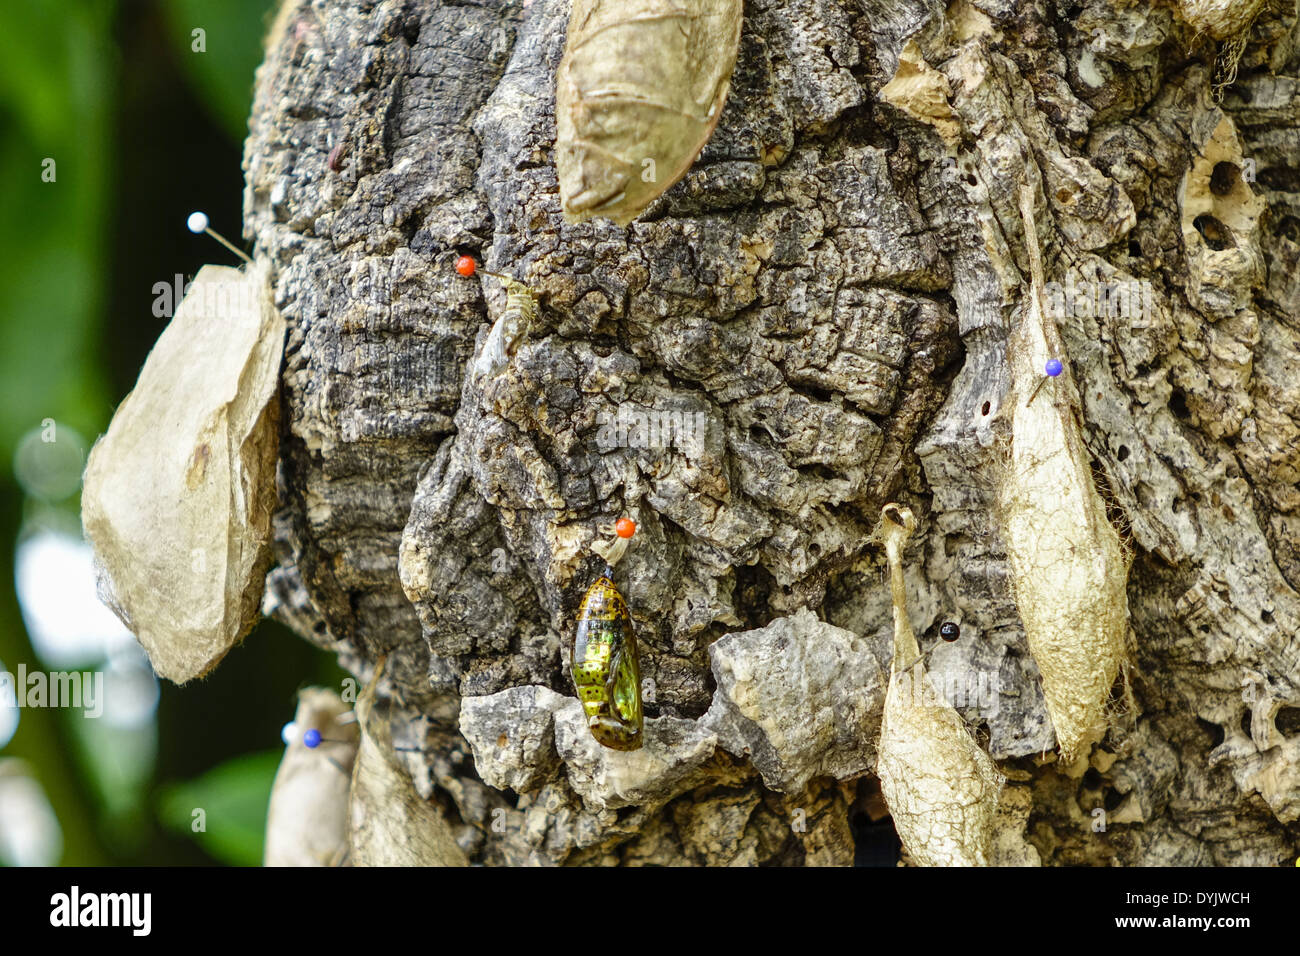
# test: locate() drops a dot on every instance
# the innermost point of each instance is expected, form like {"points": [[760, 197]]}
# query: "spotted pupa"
{"points": [[606, 671]]}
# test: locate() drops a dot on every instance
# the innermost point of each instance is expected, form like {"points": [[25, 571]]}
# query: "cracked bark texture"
{"points": [[829, 292]]}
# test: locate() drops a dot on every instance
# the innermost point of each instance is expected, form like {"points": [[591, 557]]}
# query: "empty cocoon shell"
{"points": [[307, 820], [1220, 18], [1068, 566], [389, 823], [179, 492], [638, 94], [941, 787]]}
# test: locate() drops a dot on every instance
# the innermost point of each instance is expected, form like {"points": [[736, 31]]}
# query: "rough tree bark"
{"points": [[831, 290]]}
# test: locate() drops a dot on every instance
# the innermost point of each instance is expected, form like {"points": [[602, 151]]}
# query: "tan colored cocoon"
{"points": [[638, 94], [941, 788], [389, 823], [1068, 565], [179, 492], [307, 821], [1220, 18]]}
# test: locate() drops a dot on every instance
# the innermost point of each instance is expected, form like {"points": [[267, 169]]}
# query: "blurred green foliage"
{"points": [[233, 799], [141, 130], [56, 67], [232, 33]]}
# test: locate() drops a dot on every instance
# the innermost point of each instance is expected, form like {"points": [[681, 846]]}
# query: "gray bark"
{"points": [[831, 288]]}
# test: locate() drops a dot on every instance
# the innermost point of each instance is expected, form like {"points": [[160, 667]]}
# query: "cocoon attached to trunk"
{"points": [[941, 788], [638, 94], [307, 820], [1221, 19], [1068, 565], [179, 493]]}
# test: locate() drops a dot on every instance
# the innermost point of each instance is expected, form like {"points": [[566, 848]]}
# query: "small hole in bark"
{"points": [[1266, 616], [969, 179], [1092, 779], [820, 472], [1216, 235], [1245, 721], [1288, 721], [1112, 800], [986, 408], [875, 842], [1225, 176], [1123, 453], [1178, 404], [1064, 196], [1289, 228], [1214, 730], [1134, 249]]}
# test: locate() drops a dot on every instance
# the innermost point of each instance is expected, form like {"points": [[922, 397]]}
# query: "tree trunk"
{"points": [[815, 322]]}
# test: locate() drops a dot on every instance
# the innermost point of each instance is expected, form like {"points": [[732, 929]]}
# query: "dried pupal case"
{"points": [[179, 492], [941, 788], [520, 314], [389, 823], [307, 820], [605, 668], [1068, 566], [638, 94]]}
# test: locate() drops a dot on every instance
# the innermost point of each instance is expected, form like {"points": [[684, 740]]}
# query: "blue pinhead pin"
{"points": [[311, 739], [1053, 368]]}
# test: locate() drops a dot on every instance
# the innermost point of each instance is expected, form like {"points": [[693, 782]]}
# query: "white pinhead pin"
{"points": [[198, 222]]}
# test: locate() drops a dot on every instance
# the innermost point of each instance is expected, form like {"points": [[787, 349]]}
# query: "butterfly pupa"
{"points": [[638, 94], [179, 492], [605, 666]]}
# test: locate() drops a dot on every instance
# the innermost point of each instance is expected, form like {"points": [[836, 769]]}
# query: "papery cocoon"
{"points": [[179, 492], [389, 823], [1220, 18], [307, 821], [1068, 566], [941, 787], [638, 94]]}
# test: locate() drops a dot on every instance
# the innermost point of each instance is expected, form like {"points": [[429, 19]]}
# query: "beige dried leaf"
{"points": [[307, 821], [179, 492], [638, 94], [1068, 566], [941, 787]]}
